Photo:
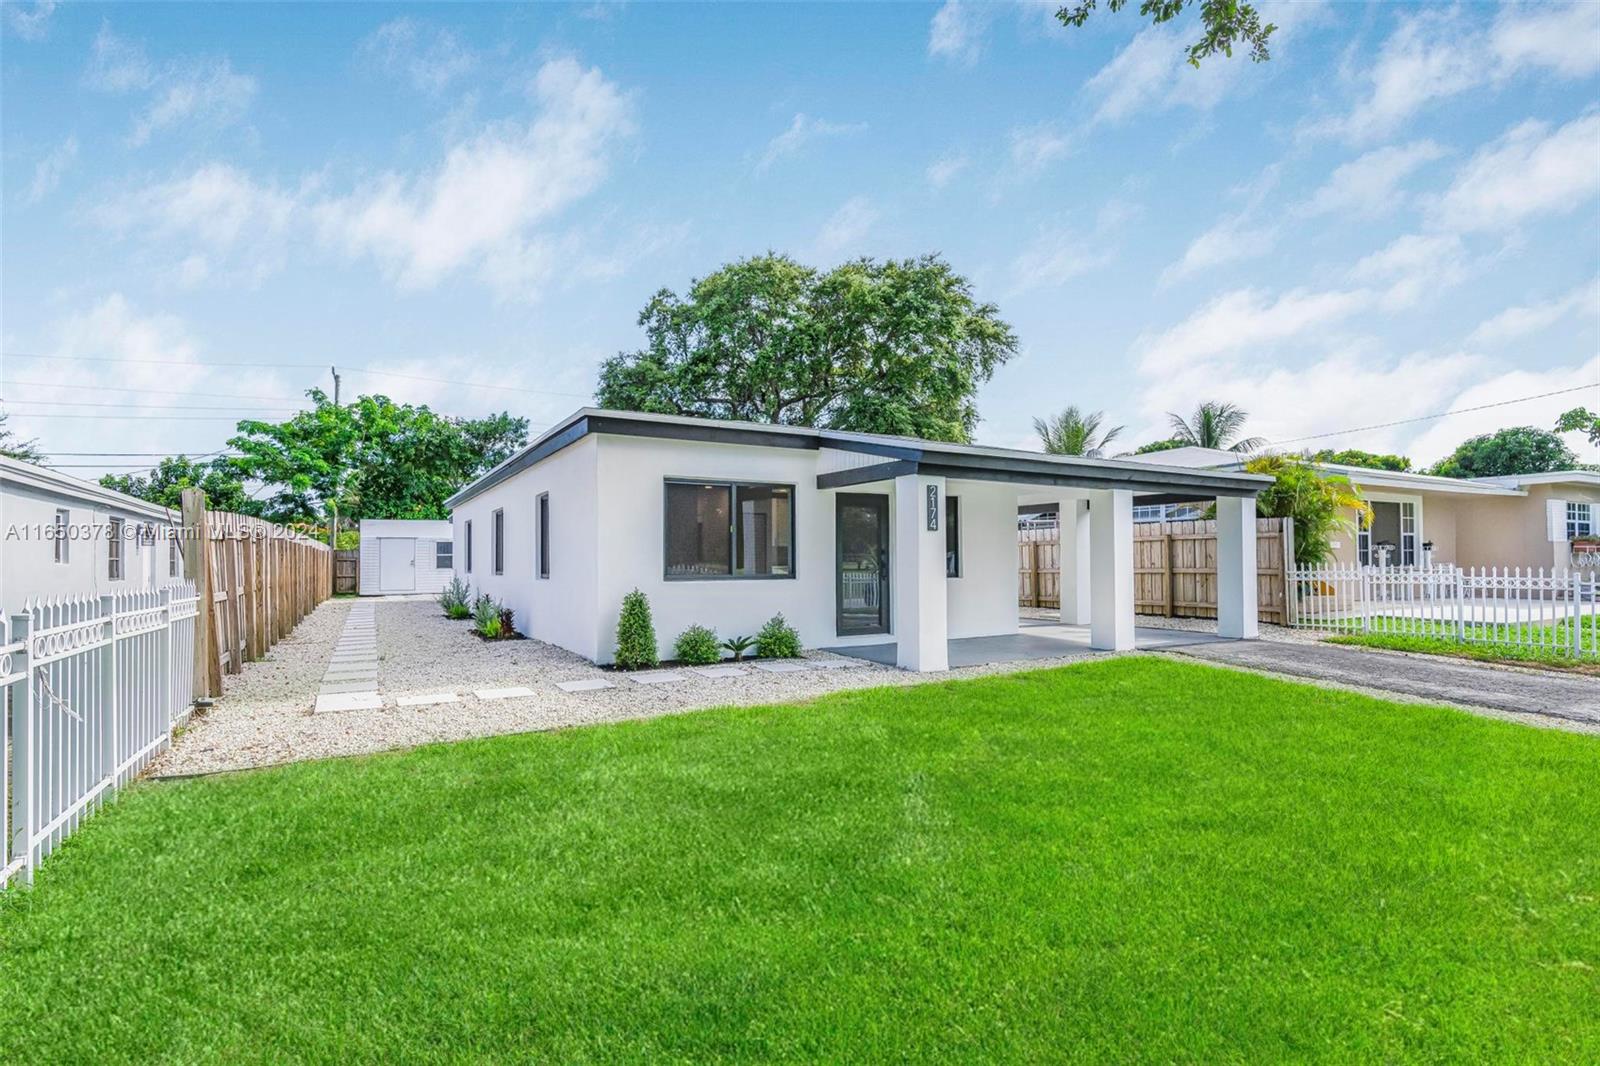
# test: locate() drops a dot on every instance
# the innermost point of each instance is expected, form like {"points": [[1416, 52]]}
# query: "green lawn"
{"points": [[1130, 859], [1549, 645]]}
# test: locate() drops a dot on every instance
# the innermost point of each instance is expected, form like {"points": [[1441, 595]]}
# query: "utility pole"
{"points": [[333, 529]]}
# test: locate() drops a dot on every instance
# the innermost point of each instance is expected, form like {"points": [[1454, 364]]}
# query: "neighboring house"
{"points": [[858, 539], [405, 555], [63, 536], [1529, 520]]}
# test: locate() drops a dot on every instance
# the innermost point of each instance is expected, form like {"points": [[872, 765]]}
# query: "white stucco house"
{"points": [[904, 546], [403, 555], [62, 536]]}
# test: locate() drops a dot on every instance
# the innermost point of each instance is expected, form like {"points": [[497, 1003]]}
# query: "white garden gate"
{"points": [[93, 688]]}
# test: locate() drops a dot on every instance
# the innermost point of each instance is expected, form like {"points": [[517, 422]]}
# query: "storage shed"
{"points": [[405, 555]]}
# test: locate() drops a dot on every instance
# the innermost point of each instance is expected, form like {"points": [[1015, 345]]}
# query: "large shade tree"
{"points": [[1223, 24], [15, 447], [1075, 432], [1517, 450], [1214, 425], [165, 483], [1369, 460], [1581, 420], [894, 346]]}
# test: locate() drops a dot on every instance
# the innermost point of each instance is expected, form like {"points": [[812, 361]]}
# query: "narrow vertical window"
{"points": [[172, 555], [63, 520], [497, 537], [544, 534], [114, 551], [952, 536], [467, 536]]}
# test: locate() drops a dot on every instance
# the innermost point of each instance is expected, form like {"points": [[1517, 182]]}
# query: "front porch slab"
{"points": [[1034, 640]]}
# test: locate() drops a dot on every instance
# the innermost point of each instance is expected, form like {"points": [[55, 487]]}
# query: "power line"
{"points": [[1441, 414], [147, 406], [297, 366], [154, 392]]}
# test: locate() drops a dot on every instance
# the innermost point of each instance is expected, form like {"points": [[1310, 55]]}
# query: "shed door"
{"points": [[397, 564]]}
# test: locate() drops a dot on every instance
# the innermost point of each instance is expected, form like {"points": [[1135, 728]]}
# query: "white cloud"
{"points": [[943, 171], [1523, 320], [958, 30], [1242, 319], [1530, 171], [1413, 266], [1055, 258], [482, 202], [1370, 185], [802, 131], [48, 171], [1230, 241], [117, 65], [1439, 438], [429, 57], [1035, 147], [211, 94], [31, 24], [218, 205], [1438, 54], [846, 227]]}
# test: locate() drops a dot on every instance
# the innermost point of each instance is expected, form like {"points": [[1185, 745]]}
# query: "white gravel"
{"points": [[265, 716]]}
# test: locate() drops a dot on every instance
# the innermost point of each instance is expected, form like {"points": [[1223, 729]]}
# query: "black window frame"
{"points": [[114, 564], [952, 532], [448, 546], [732, 485], [467, 536], [497, 541], [542, 529]]}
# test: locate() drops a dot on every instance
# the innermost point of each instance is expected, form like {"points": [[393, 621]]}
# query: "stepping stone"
{"points": [[588, 684], [835, 664], [502, 693], [427, 699], [717, 671], [349, 701], [351, 675], [658, 677], [783, 667], [348, 686]]}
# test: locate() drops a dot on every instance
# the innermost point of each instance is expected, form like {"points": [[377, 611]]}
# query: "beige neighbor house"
{"points": [[1529, 520]]}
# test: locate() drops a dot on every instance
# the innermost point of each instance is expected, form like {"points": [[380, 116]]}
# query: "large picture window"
{"points": [[729, 529]]}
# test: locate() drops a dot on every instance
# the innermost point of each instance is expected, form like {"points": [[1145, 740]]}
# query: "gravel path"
{"points": [[265, 715]]}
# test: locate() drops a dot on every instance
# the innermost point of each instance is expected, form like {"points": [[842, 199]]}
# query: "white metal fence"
{"points": [[93, 687], [1555, 611]]}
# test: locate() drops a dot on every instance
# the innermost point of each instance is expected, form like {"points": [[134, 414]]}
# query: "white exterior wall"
{"points": [[27, 560], [425, 535], [560, 609], [982, 602]]}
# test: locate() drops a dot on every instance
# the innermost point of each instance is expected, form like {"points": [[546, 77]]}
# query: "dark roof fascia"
{"points": [[1179, 486]]}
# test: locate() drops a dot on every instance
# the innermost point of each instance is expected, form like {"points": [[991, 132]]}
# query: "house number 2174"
{"points": [[933, 506]]}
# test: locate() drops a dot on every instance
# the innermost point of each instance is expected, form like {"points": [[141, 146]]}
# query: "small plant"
{"points": [[486, 618], [737, 646], [778, 640], [636, 633], [698, 646], [455, 599]]}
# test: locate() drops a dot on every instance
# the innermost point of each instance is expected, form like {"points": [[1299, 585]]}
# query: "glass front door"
{"points": [[862, 533]]}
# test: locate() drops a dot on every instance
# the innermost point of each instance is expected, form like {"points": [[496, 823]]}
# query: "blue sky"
{"points": [[1398, 215]]}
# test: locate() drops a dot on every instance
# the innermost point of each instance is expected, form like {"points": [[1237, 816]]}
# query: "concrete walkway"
{"points": [[1555, 698], [351, 680]]}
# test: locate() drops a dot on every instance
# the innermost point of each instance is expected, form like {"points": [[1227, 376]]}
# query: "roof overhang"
{"points": [[1158, 486], [52, 482]]}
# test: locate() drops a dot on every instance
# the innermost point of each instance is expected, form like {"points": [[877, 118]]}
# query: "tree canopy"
{"points": [[1074, 432], [898, 346], [1158, 446], [166, 482], [1580, 420], [1214, 425], [1518, 450], [1224, 23], [374, 457], [14, 447], [1357, 457]]}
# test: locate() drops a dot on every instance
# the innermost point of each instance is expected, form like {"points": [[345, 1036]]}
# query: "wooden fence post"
{"points": [[197, 569]]}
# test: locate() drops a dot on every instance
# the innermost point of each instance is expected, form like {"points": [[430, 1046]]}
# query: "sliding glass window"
{"points": [[729, 529]]}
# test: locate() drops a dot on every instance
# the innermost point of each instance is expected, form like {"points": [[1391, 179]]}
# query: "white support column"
{"points": [[919, 619], [1074, 561], [1111, 569], [1236, 567]]}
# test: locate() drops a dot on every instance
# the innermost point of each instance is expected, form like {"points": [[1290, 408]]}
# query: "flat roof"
{"points": [[941, 457]]}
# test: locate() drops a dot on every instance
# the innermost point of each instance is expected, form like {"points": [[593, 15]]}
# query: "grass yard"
{"points": [[1129, 859], [1438, 638]]}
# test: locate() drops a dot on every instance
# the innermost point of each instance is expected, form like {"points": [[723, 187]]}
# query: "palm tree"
{"points": [[1214, 425], [1072, 432]]}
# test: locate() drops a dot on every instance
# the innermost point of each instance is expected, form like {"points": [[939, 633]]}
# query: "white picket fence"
{"points": [[1527, 608], [93, 688]]}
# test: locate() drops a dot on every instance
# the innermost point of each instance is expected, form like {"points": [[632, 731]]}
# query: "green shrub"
{"points": [[455, 598], [698, 646], [778, 640], [636, 633], [738, 646], [486, 618]]}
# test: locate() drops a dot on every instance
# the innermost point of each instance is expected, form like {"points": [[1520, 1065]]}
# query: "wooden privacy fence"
{"points": [[1174, 567], [256, 580]]}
